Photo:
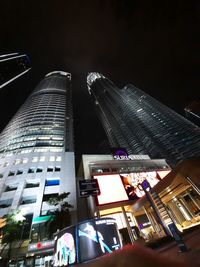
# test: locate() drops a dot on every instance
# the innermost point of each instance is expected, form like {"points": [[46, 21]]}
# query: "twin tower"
{"points": [[131, 119], [36, 147]]}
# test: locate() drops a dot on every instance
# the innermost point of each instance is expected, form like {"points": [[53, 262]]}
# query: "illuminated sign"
{"points": [[121, 154], [125, 186], [111, 188], [88, 187], [33, 247], [86, 241], [65, 250]]}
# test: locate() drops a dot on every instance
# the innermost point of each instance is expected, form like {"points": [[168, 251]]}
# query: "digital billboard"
{"points": [[111, 188], [86, 241], [97, 238], [125, 186], [65, 249]]}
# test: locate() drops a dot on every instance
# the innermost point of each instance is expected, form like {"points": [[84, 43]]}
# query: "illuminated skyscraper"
{"points": [[12, 66], [136, 121], [36, 153]]}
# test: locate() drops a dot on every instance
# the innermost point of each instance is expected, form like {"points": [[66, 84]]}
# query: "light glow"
{"points": [[162, 174]]}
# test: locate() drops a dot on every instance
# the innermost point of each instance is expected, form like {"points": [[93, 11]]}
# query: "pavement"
{"points": [[192, 242]]}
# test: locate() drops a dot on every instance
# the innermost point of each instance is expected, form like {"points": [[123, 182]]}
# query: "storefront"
{"points": [[121, 197]]}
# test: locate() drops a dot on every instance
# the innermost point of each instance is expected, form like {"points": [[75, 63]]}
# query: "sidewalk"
{"points": [[192, 256]]}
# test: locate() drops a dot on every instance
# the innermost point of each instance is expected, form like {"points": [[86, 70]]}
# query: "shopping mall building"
{"points": [[175, 194]]}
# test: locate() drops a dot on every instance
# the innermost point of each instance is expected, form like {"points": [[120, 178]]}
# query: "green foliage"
{"points": [[61, 218], [12, 230], [60, 200]]}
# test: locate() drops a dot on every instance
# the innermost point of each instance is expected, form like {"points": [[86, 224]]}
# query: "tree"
{"points": [[12, 230], [61, 216]]}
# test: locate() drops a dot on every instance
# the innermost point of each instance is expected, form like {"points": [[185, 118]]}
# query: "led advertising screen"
{"points": [[122, 187], [65, 249], [86, 241], [97, 238], [111, 188]]}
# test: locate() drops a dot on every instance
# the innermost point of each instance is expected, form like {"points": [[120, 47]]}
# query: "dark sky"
{"points": [[154, 45]]}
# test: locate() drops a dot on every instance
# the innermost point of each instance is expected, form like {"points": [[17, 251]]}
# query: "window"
{"points": [[34, 159], [11, 173], [28, 200], [58, 158], [52, 158], [42, 158], [41, 149], [27, 226], [48, 212], [26, 151], [30, 184], [39, 232], [5, 203], [24, 160], [50, 169], [57, 138], [47, 197], [31, 170], [44, 137], [39, 170], [11, 187], [17, 161], [5, 164], [19, 172], [56, 149], [57, 169], [52, 182]]}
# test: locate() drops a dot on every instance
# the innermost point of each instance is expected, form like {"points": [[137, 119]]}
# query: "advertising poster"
{"points": [[111, 188], [86, 241], [65, 249], [132, 181], [126, 186], [97, 238]]}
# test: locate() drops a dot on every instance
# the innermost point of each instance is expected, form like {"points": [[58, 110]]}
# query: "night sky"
{"points": [[154, 45]]}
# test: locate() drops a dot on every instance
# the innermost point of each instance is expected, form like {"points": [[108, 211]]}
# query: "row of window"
{"points": [[33, 184], [33, 170], [37, 137], [34, 159], [24, 200], [5, 203]]}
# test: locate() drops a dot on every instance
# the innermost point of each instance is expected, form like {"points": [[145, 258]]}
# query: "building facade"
{"points": [[136, 121], [122, 198], [12, 66], [37, 154]]}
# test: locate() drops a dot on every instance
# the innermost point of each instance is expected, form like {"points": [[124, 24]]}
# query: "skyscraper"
{"points": [[12, 66], [36, 153], [136, 121], [192, 111]]}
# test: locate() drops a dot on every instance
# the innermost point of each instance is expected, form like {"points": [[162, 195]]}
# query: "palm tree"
{"points": [[61, 216]]}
